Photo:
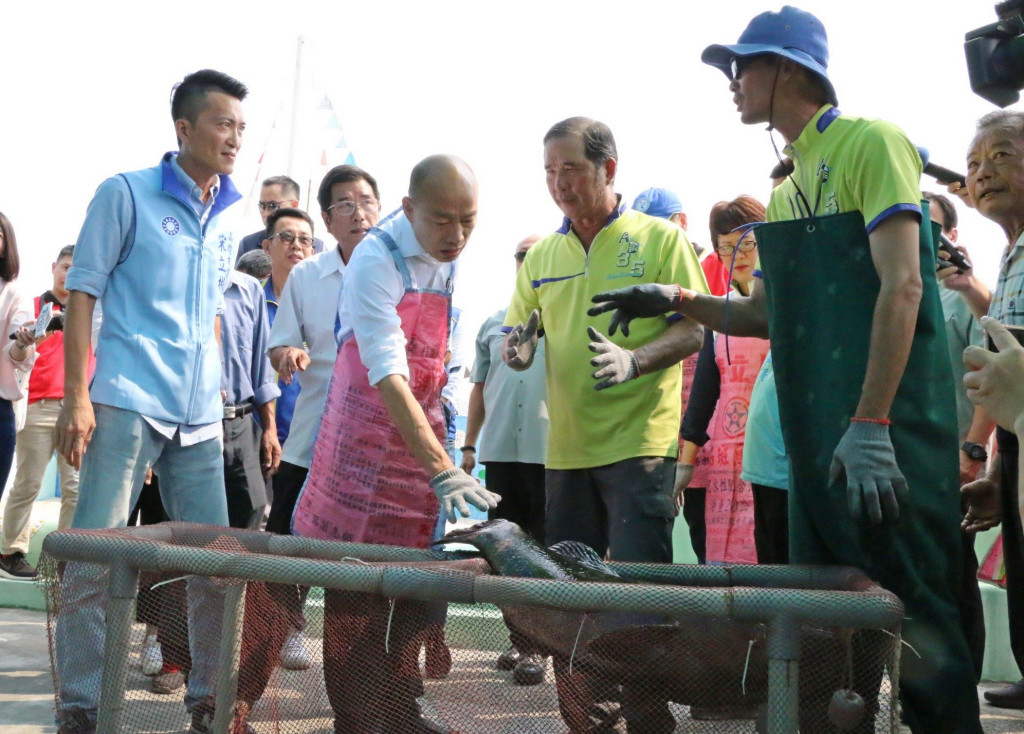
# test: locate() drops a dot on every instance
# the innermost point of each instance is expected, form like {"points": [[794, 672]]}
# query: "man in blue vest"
{"points": [[155, 401]]}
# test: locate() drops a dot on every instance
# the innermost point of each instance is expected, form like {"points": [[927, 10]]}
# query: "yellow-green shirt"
{"points": [[846, 164], [589, 428]]}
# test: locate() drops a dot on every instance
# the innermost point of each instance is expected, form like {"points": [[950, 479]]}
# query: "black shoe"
{"points": [[508, 659], [529, 671], [1007, 697], [16, 568], [76, 721]]}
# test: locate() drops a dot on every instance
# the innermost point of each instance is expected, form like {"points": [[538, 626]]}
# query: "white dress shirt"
{"points": [[305, 319], [368, 305]]}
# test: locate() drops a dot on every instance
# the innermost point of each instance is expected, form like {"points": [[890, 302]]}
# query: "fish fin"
{"points": [[582, 554]]}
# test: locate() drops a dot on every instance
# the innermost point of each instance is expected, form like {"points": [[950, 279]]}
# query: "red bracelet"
{"points": [[879, 421]]}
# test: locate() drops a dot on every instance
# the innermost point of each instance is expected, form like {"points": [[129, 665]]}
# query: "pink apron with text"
{"points": [[364, 485], [729, 508]]}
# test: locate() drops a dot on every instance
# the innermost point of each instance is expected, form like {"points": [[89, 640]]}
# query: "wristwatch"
{"points": [[974, 451]]}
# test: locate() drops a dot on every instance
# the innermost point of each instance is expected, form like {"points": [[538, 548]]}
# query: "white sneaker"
{"points": [[152, 659], [293, 653]]}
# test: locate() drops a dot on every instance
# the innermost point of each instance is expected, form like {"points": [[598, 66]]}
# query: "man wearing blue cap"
{"points": [[875, 476]]}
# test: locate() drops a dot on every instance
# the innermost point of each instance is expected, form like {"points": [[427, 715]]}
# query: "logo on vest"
{"points": [[170, 226]]}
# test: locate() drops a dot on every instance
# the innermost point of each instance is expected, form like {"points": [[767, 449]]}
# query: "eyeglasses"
{"points": [[288, 238], [746, 245], [347, 207], [520, 256], [273, 206]]}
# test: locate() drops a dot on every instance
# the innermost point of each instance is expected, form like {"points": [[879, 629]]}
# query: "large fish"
{"points": [[690, 658]]}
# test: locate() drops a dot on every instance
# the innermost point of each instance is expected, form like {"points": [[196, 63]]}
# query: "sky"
{"points": [[87, 85]]}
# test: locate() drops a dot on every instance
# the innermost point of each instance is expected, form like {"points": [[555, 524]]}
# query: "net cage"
{"points": [[403, 641]]}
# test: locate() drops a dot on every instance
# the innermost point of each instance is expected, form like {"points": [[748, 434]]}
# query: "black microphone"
{"points": [[940, 174]]}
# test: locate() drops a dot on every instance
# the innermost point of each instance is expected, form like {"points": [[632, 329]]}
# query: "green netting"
{"points": [[670, 648]]}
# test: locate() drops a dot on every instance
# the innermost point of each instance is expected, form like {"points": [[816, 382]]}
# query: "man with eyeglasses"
{"points": [[874, 478], [277, 192], [302, 345]]}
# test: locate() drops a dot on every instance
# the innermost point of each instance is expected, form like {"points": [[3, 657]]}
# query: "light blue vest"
{"points": [[157, 353]]}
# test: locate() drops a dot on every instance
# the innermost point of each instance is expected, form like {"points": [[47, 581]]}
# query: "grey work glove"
{"points": [[454, 488], [614, 364], [521, 343], [638, 302], [873, 480]]}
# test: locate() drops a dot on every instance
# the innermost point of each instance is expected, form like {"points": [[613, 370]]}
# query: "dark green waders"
{"points": [[822, 287]]}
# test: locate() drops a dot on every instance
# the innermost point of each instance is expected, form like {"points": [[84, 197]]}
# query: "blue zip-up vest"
{"points": [[157, 353]]}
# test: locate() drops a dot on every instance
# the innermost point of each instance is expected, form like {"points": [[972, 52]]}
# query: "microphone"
{"points": [[939, 173]]}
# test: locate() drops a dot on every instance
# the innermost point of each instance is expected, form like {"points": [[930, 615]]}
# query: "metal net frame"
{"points": [[670, 648]]}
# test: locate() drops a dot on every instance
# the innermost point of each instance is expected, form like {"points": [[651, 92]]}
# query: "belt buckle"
{"points": [[229, 412]]}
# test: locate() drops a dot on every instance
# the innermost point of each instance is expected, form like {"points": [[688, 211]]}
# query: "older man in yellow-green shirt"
{"points": [[613, 400]]}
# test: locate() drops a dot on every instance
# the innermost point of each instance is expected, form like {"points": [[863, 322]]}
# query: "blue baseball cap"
{"points": [[658, 203], [792, 33]]}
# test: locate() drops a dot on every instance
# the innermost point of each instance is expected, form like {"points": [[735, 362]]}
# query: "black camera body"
{"points": [[995, 55]]}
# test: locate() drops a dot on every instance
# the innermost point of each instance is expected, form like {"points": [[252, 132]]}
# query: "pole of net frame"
{"points": [[230, 651], [783, 647], [122, 588]]}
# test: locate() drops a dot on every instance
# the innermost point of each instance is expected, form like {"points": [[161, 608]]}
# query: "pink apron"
{"points": [[364, 485], [729, 508]]}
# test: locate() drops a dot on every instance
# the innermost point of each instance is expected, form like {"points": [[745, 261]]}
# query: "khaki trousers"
{"points": [[34, 446]]}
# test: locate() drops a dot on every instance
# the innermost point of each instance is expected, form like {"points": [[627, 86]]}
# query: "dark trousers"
{"points": [[287, 485], [1013, 542], [7, 433], [972, 613], [771, 524], [243, 477], [694, 507], [623, 509], [521, 487]]}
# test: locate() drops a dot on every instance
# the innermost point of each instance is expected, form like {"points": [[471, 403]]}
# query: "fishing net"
{"points": [[401, 641]]}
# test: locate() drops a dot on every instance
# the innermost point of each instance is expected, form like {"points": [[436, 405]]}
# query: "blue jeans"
{"points": [[123, 447]]}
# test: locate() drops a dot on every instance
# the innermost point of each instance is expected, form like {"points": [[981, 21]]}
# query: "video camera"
{"points": [[995, 55]]}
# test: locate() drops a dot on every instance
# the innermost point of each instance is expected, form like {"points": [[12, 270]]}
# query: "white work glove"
{"points": [[684, 475], [873, 480], [521, 343], [454, 488], [614, 364]]}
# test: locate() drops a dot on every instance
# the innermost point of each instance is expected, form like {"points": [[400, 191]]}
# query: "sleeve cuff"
{"points": [[265, 393]]}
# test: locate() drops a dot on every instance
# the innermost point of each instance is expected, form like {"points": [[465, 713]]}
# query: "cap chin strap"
{"points": [[771, 128]]}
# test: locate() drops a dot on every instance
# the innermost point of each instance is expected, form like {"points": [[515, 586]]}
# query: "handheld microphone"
{"points": [[939, 173]]}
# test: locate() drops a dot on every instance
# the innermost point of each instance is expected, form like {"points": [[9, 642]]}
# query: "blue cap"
{"points": [[793, 33], [658, 203]]}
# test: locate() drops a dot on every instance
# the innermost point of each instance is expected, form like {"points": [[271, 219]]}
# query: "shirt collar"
{"points": [[812, 130], [330, 262], [195, 193], [619, 209]]}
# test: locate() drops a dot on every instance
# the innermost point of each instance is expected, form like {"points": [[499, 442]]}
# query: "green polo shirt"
{"points": [[846, 164]]}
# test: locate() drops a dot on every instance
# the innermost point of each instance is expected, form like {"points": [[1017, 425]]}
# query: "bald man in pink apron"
{"points": [[380, 473]]}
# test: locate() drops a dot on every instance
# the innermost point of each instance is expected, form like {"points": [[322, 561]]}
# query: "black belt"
{"points": [[237, 411]]}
